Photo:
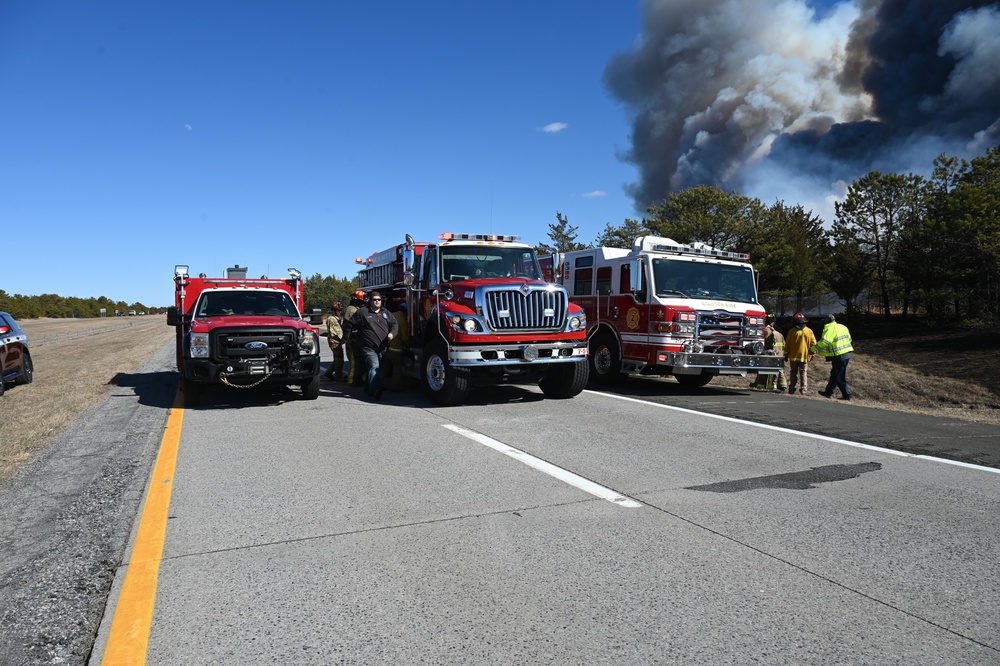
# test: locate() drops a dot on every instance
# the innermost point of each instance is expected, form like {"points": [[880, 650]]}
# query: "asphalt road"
{"points": [[619, 528]]}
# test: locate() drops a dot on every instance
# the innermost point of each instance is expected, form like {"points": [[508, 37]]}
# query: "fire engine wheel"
{"points": [[565, 380], [606, 360], [693, 381], [192, 393], [310, 389], [444, 385]]}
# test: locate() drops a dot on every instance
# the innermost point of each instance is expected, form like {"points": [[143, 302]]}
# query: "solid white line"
{"points": [[550, 469], [824, 438]]}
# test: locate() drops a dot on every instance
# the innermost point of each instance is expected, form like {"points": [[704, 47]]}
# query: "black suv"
{"points": [[15, 358]]}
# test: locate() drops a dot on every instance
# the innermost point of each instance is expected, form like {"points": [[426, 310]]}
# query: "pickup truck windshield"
{"points": [[689, 279], [233, 303], [465, 262]]}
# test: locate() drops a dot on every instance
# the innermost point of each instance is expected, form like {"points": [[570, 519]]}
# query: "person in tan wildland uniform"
{"points": [[335, 338]]}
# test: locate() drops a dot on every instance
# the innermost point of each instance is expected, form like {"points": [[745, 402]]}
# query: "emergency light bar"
{"points": [[479, 237], [708, 252]]}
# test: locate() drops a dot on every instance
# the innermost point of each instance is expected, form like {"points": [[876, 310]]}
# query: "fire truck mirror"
{"points": [[635, 276], [408, 258], [173, 318]]}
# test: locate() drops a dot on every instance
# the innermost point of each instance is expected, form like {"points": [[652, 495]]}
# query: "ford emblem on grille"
{"points": [[256, 344]]}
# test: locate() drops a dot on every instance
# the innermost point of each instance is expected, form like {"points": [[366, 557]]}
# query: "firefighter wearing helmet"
{"points": [[353, 349], [798, 351], [335, 338]]}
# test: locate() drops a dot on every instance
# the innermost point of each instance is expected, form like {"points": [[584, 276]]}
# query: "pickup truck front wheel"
{"points": [[192, 393], [310, 389]]}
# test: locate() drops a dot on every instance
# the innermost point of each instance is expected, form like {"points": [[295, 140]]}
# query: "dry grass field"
{"points": [[948, 373], [75, 361]]}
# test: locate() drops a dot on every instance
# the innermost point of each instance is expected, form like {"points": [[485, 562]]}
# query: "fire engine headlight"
{"points": [[308, 342], [578, 322]]}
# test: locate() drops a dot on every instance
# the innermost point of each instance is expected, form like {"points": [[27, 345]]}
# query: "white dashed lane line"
{"points": [[554, 471]]}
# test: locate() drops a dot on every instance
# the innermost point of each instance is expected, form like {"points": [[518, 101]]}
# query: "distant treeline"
{"points": [[906, 243], [51, 305]]}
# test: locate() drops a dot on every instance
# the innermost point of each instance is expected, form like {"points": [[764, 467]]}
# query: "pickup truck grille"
{"points": [[720, 329], [245, 343], [512, 310]]}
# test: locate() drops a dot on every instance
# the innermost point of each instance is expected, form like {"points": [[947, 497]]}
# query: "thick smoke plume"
{"points": [[781, 100]]}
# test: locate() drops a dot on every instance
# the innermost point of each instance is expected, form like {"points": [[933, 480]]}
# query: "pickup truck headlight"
{"points": [[199, 345], [308, 343]]}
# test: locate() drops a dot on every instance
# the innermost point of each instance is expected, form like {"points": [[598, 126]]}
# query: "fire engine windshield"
{"points": [[222, 303], [689, 279], [464, 262]]}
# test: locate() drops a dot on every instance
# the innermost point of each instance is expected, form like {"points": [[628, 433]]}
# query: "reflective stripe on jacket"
{"points": [[835, 341]]}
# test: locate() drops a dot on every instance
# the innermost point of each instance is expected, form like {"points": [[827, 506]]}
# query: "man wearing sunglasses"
{"points": [[376, 328]]}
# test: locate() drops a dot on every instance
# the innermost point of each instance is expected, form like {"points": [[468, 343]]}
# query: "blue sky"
{"points": [[139, 135], [136, 136]]}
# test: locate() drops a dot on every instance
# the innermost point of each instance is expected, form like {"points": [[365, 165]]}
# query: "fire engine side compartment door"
{"points": [[633, 315]]}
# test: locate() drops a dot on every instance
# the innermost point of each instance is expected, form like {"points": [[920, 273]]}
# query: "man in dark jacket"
{"points": [[376, 328]]}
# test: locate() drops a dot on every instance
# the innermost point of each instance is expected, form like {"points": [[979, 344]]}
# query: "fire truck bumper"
{"points": [[722, 363], [250, 371], [517, 354]]}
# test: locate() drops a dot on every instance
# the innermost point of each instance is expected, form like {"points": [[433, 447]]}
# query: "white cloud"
{"points": [[554, 128], [595, 194], [188, 127]]}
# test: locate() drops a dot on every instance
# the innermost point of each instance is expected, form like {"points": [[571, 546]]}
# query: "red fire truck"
{"points": [[480, 313], [663, 308], [242, 332]]}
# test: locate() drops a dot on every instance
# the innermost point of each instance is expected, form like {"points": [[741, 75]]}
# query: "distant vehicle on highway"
{"points": [[15, 357]]}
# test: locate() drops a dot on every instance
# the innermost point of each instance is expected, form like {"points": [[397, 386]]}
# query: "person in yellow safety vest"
{"points": [[798, 350], [835, 346], [773, 342], [392, 364]]}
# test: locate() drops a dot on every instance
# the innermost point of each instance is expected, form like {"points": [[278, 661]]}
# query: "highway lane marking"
{"points": [[128, 639], [824, 438], [554, 471]]}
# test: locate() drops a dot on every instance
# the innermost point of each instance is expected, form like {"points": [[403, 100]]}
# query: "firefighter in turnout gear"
{"points": [[774, 343], [392, 362], [335, 338], [355, 372]]}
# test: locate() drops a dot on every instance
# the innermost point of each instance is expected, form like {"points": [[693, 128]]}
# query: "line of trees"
{"points": [[914, 244], [51, 305], [319, 291]]}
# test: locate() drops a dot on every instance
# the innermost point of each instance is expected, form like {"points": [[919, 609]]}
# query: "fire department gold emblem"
{"points": [[632, 318]]}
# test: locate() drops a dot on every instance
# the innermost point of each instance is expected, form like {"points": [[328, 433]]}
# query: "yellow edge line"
{"points": [[128, 639]]}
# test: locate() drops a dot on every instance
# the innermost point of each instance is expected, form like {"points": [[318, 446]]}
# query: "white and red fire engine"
{"points": [[479, 312], [663, 308], [242, 332]]}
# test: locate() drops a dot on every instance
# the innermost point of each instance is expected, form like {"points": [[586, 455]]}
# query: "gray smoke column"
{"points": [[780, 100]]}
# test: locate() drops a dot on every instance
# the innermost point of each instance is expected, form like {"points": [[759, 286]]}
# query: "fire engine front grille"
{"points": [[513, 310], [252, 343], [720, 329]]}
